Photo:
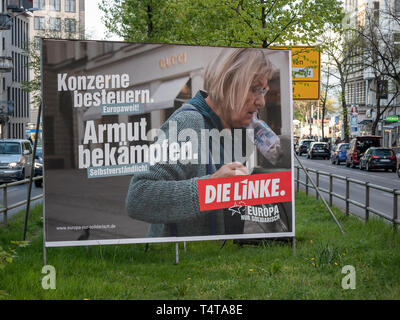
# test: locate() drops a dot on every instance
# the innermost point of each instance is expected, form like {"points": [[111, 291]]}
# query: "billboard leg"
{"points": [[294, 245], [176, 252]]}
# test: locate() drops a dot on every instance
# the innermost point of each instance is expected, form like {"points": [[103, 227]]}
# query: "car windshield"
{"points": [[306, 143], [344, 147], [383, 152], [10, 148], [363, 145]]}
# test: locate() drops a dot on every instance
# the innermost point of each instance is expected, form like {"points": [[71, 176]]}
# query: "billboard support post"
{"points": [[319, 193], [176, 252], [32, 171]]}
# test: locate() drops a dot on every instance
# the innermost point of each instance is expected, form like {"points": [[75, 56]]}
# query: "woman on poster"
{"points": [[235, 85]]}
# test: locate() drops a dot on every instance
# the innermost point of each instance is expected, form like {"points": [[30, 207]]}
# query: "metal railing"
{"points": [[368, 187], [5, 207]]}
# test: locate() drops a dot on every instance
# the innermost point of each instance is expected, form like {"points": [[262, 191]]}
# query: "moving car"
{"points": [[303, 146], [378, 158], [15, 159], [339, 153], [357, 148], [39, 166], [318, 150]]}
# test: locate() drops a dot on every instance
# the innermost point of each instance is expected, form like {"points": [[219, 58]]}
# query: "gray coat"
{"points": [[167, 195]]}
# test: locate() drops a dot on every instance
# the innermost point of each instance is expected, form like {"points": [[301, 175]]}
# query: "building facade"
{"points": [[63, 19], [14, 101], [362, 92]]}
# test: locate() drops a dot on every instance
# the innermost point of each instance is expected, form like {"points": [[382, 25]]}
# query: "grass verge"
{"points": [[205, 271]]}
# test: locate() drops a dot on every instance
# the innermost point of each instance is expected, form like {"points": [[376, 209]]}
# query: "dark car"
{"points": [[378, 158], [303, 146], [318, 150], [39, 166], [339, 153], [358, 146]]}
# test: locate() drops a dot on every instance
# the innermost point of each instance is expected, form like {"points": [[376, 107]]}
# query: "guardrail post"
{"points": [[330, 189], [347, 195], [395, 207], [306, 184], [5, 206], [366, 201], [317, 183]]}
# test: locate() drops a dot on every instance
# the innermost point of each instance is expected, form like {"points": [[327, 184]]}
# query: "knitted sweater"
{"points": [[167, 196]]}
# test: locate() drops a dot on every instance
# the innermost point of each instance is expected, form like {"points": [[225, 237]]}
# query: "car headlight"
{"points": [[14, 165]]}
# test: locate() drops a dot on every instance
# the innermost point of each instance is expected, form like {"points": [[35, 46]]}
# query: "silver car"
{"points": [[15, 159]]}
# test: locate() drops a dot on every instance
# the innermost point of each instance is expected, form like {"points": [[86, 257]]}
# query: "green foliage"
{"points": [[268, 271], [228, 23]]}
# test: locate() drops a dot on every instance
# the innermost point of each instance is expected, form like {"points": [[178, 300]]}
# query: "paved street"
{"points": [[379, 200]]}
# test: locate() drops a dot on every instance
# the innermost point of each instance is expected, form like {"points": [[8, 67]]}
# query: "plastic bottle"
{"points": [[264, 137]]}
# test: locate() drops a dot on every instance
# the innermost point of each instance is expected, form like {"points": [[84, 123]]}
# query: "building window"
{"points": [[376, 10], [396, 45], [36, 43], [38, 23], [397, 7], [70, 5], [70, 25], [55, 5], [55, 24], [40, 4]]}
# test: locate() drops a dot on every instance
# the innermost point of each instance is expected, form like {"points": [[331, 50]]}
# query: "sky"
{"points": [[94, 26]]}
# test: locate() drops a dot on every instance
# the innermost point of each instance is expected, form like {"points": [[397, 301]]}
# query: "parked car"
{"points": [[338, 154], [303, 146], [378, 158], [39, 166], [396, 151], [318, 150], [357, 148], [15, 159]]}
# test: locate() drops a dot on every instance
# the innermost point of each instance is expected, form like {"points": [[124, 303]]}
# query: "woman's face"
{"points": [[254, 100]]}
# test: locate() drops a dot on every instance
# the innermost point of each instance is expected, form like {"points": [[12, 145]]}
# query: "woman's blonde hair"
{"points": [[228, 78]]}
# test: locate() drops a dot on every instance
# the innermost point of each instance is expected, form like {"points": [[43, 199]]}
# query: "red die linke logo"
{"points": [[247, 190]]}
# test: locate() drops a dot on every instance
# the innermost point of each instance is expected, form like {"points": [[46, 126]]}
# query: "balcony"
{"points": [[6, 64]]}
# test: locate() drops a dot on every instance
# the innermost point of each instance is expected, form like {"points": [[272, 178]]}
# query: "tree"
{"points": [[255, 23], [340, 49], [380, 45]]}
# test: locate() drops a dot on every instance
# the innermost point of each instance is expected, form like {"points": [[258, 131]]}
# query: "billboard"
{"points": [[162, 143]]}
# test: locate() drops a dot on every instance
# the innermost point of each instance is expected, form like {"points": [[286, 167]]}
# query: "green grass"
{"points": [[205, 271]]}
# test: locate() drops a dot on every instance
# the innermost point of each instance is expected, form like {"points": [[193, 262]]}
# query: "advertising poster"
{"points": [[162, 143]]}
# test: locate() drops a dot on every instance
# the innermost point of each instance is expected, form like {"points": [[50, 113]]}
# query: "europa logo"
{"points": [[255, 189]]}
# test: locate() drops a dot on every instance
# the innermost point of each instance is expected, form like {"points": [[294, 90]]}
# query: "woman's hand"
{"points": [[230, 170]]}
